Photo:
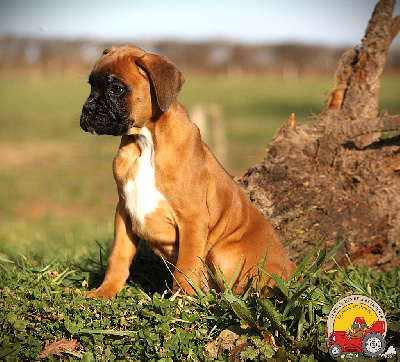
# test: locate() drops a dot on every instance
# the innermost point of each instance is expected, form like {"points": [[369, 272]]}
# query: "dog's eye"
{"points": [[116, 89]]}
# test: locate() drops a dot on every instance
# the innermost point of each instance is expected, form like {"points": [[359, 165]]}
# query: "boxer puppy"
{"points": [[173, 193]]}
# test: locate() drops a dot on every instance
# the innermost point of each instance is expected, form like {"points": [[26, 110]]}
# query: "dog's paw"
{"points": [[99, 293]]}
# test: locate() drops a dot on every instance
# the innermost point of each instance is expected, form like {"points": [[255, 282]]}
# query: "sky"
{"points": [[339, 22]]}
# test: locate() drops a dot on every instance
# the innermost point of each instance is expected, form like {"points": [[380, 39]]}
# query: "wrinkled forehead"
{"points": [[118, 60]]}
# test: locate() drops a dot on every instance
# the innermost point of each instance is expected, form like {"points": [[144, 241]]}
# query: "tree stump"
{"points": [[339, 177]]}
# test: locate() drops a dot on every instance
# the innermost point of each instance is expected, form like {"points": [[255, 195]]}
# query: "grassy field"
{"points": [[44, 316], [57, 199]]}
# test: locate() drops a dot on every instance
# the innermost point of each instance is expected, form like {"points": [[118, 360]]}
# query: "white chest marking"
{"points": [[141, 195]]}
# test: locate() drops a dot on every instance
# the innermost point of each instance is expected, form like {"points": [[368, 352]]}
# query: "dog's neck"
{"points": [[151, 124]]}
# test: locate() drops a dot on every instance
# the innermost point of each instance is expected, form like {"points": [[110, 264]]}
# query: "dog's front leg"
{"points": [[192, 246], [123, 249]]}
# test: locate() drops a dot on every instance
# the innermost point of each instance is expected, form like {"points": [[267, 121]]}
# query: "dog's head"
{"points": [[129, 87]]}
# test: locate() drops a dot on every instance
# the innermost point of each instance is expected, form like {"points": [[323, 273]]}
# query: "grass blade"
{"points": [[241, 310], [101, 248], [234, 273], [393, 283], [274, 317], [336, 248], [318, 262], [305, 261], [210, 272], [196, 288], [110, 332], [293, 300], [281, 285]]}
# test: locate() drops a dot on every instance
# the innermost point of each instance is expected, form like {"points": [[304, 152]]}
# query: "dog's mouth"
{"points": [[89, 129], [99, 121]]}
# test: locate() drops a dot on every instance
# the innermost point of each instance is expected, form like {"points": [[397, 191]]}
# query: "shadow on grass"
{"points": [[147, 272]]}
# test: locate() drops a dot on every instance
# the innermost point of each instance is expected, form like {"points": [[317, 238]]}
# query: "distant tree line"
{"points": [[56, 57]]}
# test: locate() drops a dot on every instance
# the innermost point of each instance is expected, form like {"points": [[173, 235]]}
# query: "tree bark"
{"points": [[339, 177]]}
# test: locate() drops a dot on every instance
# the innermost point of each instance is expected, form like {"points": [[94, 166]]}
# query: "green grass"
{"points": [[43, 305]]}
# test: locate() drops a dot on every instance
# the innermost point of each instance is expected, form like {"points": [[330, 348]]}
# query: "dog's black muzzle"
{"points": [[100, 120]]}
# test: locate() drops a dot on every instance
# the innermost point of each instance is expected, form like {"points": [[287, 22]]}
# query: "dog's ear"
{"points": [[165, 76]]}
